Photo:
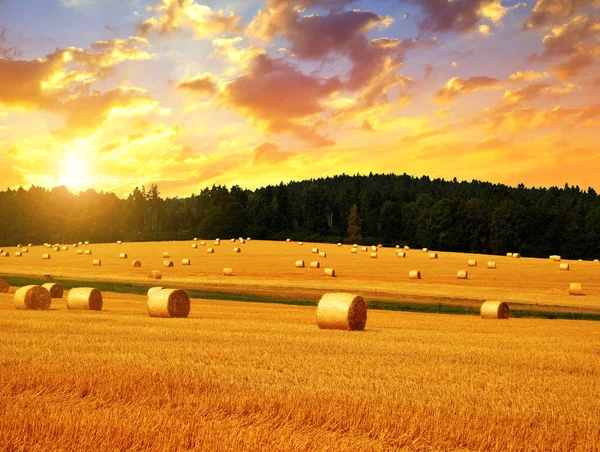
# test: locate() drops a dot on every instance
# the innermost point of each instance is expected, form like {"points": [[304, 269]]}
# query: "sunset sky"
{"points": [[113, 94]]}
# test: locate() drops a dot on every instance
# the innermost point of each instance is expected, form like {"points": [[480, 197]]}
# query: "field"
{"points": [[249, 376]]}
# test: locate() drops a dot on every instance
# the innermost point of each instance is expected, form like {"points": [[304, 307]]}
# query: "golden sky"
{"points": [[115, 94]]}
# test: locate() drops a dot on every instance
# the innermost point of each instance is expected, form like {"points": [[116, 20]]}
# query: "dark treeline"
{"points": [[476, 217]]}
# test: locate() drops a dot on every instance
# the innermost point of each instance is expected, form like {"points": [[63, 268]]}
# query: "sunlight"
{"points": [[74, 171]]}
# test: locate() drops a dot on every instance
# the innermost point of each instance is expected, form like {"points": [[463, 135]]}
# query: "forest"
{"points": [[475, 217]]}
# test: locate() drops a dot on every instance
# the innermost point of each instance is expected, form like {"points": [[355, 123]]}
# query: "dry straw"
{"points": [[86, 242], [96, 263], [25, 250], [228, 272], [315, 251], [495, 310], [339, 244], [154, 274], [433, 255], [315, 265], [462, 274], [414, 274], [32, 297], [84, 298], [6, 254], [153, 289], [353, 250], [203, 243], [300, 243], [330, 272], [186, 262], [374, 255], [472, 263], [45, 256], [322, 254], [119, 242], [491, 265], [425, 250], [508, 254], [556, 258], [210, 250], [18, 254], [288, 240], [195, 239], [123, 256], [65, 248], [516, 255], [169, 303], [194, 245], [406, 247], [401, 254], [88, 252], [79, 251], [166, 255], [136, 264], [575, 289], [237, 250], [168, 263], [364, 248], [373, 248], [57, 249], [233, 240], [55, 289], [342, 311], [300, 264], [564, 267], [3, 286]]}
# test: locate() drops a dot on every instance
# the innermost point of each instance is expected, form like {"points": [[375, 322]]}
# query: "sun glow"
{"points": [[75, 172]]}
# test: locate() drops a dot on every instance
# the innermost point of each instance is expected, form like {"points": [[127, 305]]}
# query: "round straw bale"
{"points": [[425, 250], [401, 254], [19, 245], [30, 245], [364, 248], [55, 289], [166, 255], [65, 248], [3, 286], [355, 245], [491, 265], [353, 251], [575, 289], [288, 240], [154, 274], [84, 298], [323, 254], [233, 240], [25, 250], [6, 254], [217, 243], [508, 254], [153, 289], [433, 255], [342, 311], [32, 297], [45, 256], [248, 239], [18, 254], [80, 243], [300, 264], [195, 239], [315, 251], [237, 250], [57, 249], [516, 255], [88, 252], [462, 274], [339, 244], [495, 310], [315, 265], [242, 241], [79, 251], [374, 255], [210, 250], [168, 263], [596, 260], [373, 248], [414, 274], [169, 303], [86, 242], [96, 263], [472, 263], [203, 243], [194, 245], [300, 243], [136, 264], [330, 272], [228, 272], [123, 256], [406, 247], [397, 247], [119, 242], [186, 262], [556, 258], [564, 267], [1, 251]]}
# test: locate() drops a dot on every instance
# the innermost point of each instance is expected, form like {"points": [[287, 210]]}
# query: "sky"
{"points": [[114, 94]]}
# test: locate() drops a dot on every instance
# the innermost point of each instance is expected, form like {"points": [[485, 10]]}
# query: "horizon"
{"points": [[254, 93]]}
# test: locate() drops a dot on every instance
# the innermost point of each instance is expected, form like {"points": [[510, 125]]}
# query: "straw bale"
{"points": [[401, 254], [462, 274], [86, 242], [288, 240], [472, 263], [153, 289], [30, 245], [55, 289], [210, 250], [123, 256], [203, 243], [564, 267], [186, 262], [508, 254], [88, 252], [373, 248], [237, 250], [119, 242], [168, 263], [136, 264], [433, 255], [414, 274], [166, 255], [169, 303], [425, 250], [96, 263], [575, 289], [342, 311], [228, 272], [315, 251], [195, 239], [374, 255], [397, 247], [65, 248], [3, 286], [491, 265], [25, 250], [45, 256], [18, 254], [339, 244], [84, 298], [556, 258], [56, 248], [364, 248], [233, 240], [495, 310], [194, 245], [19, 245], [516, 255], [406, 247], [300, 243], [6, 254], [154, 274], [79, 251], [323, 254], [32, 297], [300, 264], [353, 250], [330, 272], [315, 265]]}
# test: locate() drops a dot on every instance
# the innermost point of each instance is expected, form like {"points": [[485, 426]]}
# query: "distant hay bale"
{"points": [[433, 255], [414, 274], [195, 239], [136, 264], [186, 262], [119, 242], [203, 243], [18, 254], [3, 286], [353, 250], [425, 250], [374, 248], [155, 274], [45, 256], [462, 274], [516, 255], [88, 252], [96, 263], [32, 297], [217, 243], [397, 247], [84, 298], [166, 255], [123, 256], [491, 265], [64, 248], [80, 243], [341, 311], [56, 248], [355, 245], [79, 251], [25, 250], [86, 242], [210, 250], [379, 245], [301, 243], [330, 272], [6, 254], [364, 248], [237, 250], [339, 244], [30, 245], [406, 247], [300, 264], [288, 240], [233, 240], [315, 251], [323, 254], [242, 241], [373, 255], [508, 254], [556, 258], [472, 263], [153, 289], [575, 289], [168, 263], [315, 265], [596, 260], [564, 267], [194, 245], [228, 272], [169, 303], [55, 289], [401, 254], [19, 245], [495, 310]]}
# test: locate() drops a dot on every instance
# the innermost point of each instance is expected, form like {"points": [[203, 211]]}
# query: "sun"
{"points": [[75, 171]]}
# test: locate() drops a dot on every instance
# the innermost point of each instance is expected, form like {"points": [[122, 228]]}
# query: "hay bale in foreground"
{"points": [[169, 303], [154, 274], [414, 274], [433, 255], [3, 286], [123, 256], [462, 274], [96, 263], [342, 311], [575, 289], [315, 265], [136, 264], [45, 256], [55, 289], [228, 272], [494, 310], [491, 265], [472, 263], [6, 254], [300, 264], [32, 297], [153, 289], [84, 298], [330, 272], [167, 263], [186, 262], [564, 267]]}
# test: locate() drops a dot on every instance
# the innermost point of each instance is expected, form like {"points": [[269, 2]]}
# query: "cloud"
{"points": [[173, 16], [203, 84], [521, 76], [552, 12], [7, 50], [457, 86], [269, 153]]}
